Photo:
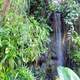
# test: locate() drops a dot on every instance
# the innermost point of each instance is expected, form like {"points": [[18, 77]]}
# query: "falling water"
{"points": [[58, 38]]}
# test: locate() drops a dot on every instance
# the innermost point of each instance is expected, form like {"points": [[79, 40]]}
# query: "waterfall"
{"points": [[58, 38]]}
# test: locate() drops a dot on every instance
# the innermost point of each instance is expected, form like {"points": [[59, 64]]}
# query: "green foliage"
{"points": [[18, 74], [1, 2], [76, 38], [21, 6], [24, 74], [74, 12], [22, 39], [35, 36], [75, 55], [75, 52], [26, 33], [39, 9], [69, 8], [67, 74]]}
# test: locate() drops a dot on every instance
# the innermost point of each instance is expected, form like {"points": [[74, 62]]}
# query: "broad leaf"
{"points": [[67, 74]]}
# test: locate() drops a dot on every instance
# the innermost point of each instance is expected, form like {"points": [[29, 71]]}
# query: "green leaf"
{"points": [[66, 74]]}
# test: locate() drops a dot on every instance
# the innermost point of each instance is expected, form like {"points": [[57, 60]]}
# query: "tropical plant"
{"points": [[66, 74], [22, 73], [22, 39], [1, 2], [69, 8], [76, 38], [75, 51]]}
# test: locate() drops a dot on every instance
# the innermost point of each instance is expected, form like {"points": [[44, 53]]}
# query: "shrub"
{"points": [[22, 39]]}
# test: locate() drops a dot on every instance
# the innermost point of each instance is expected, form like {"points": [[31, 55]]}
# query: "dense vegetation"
{"points": [[25, 35], [22, 40]]}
